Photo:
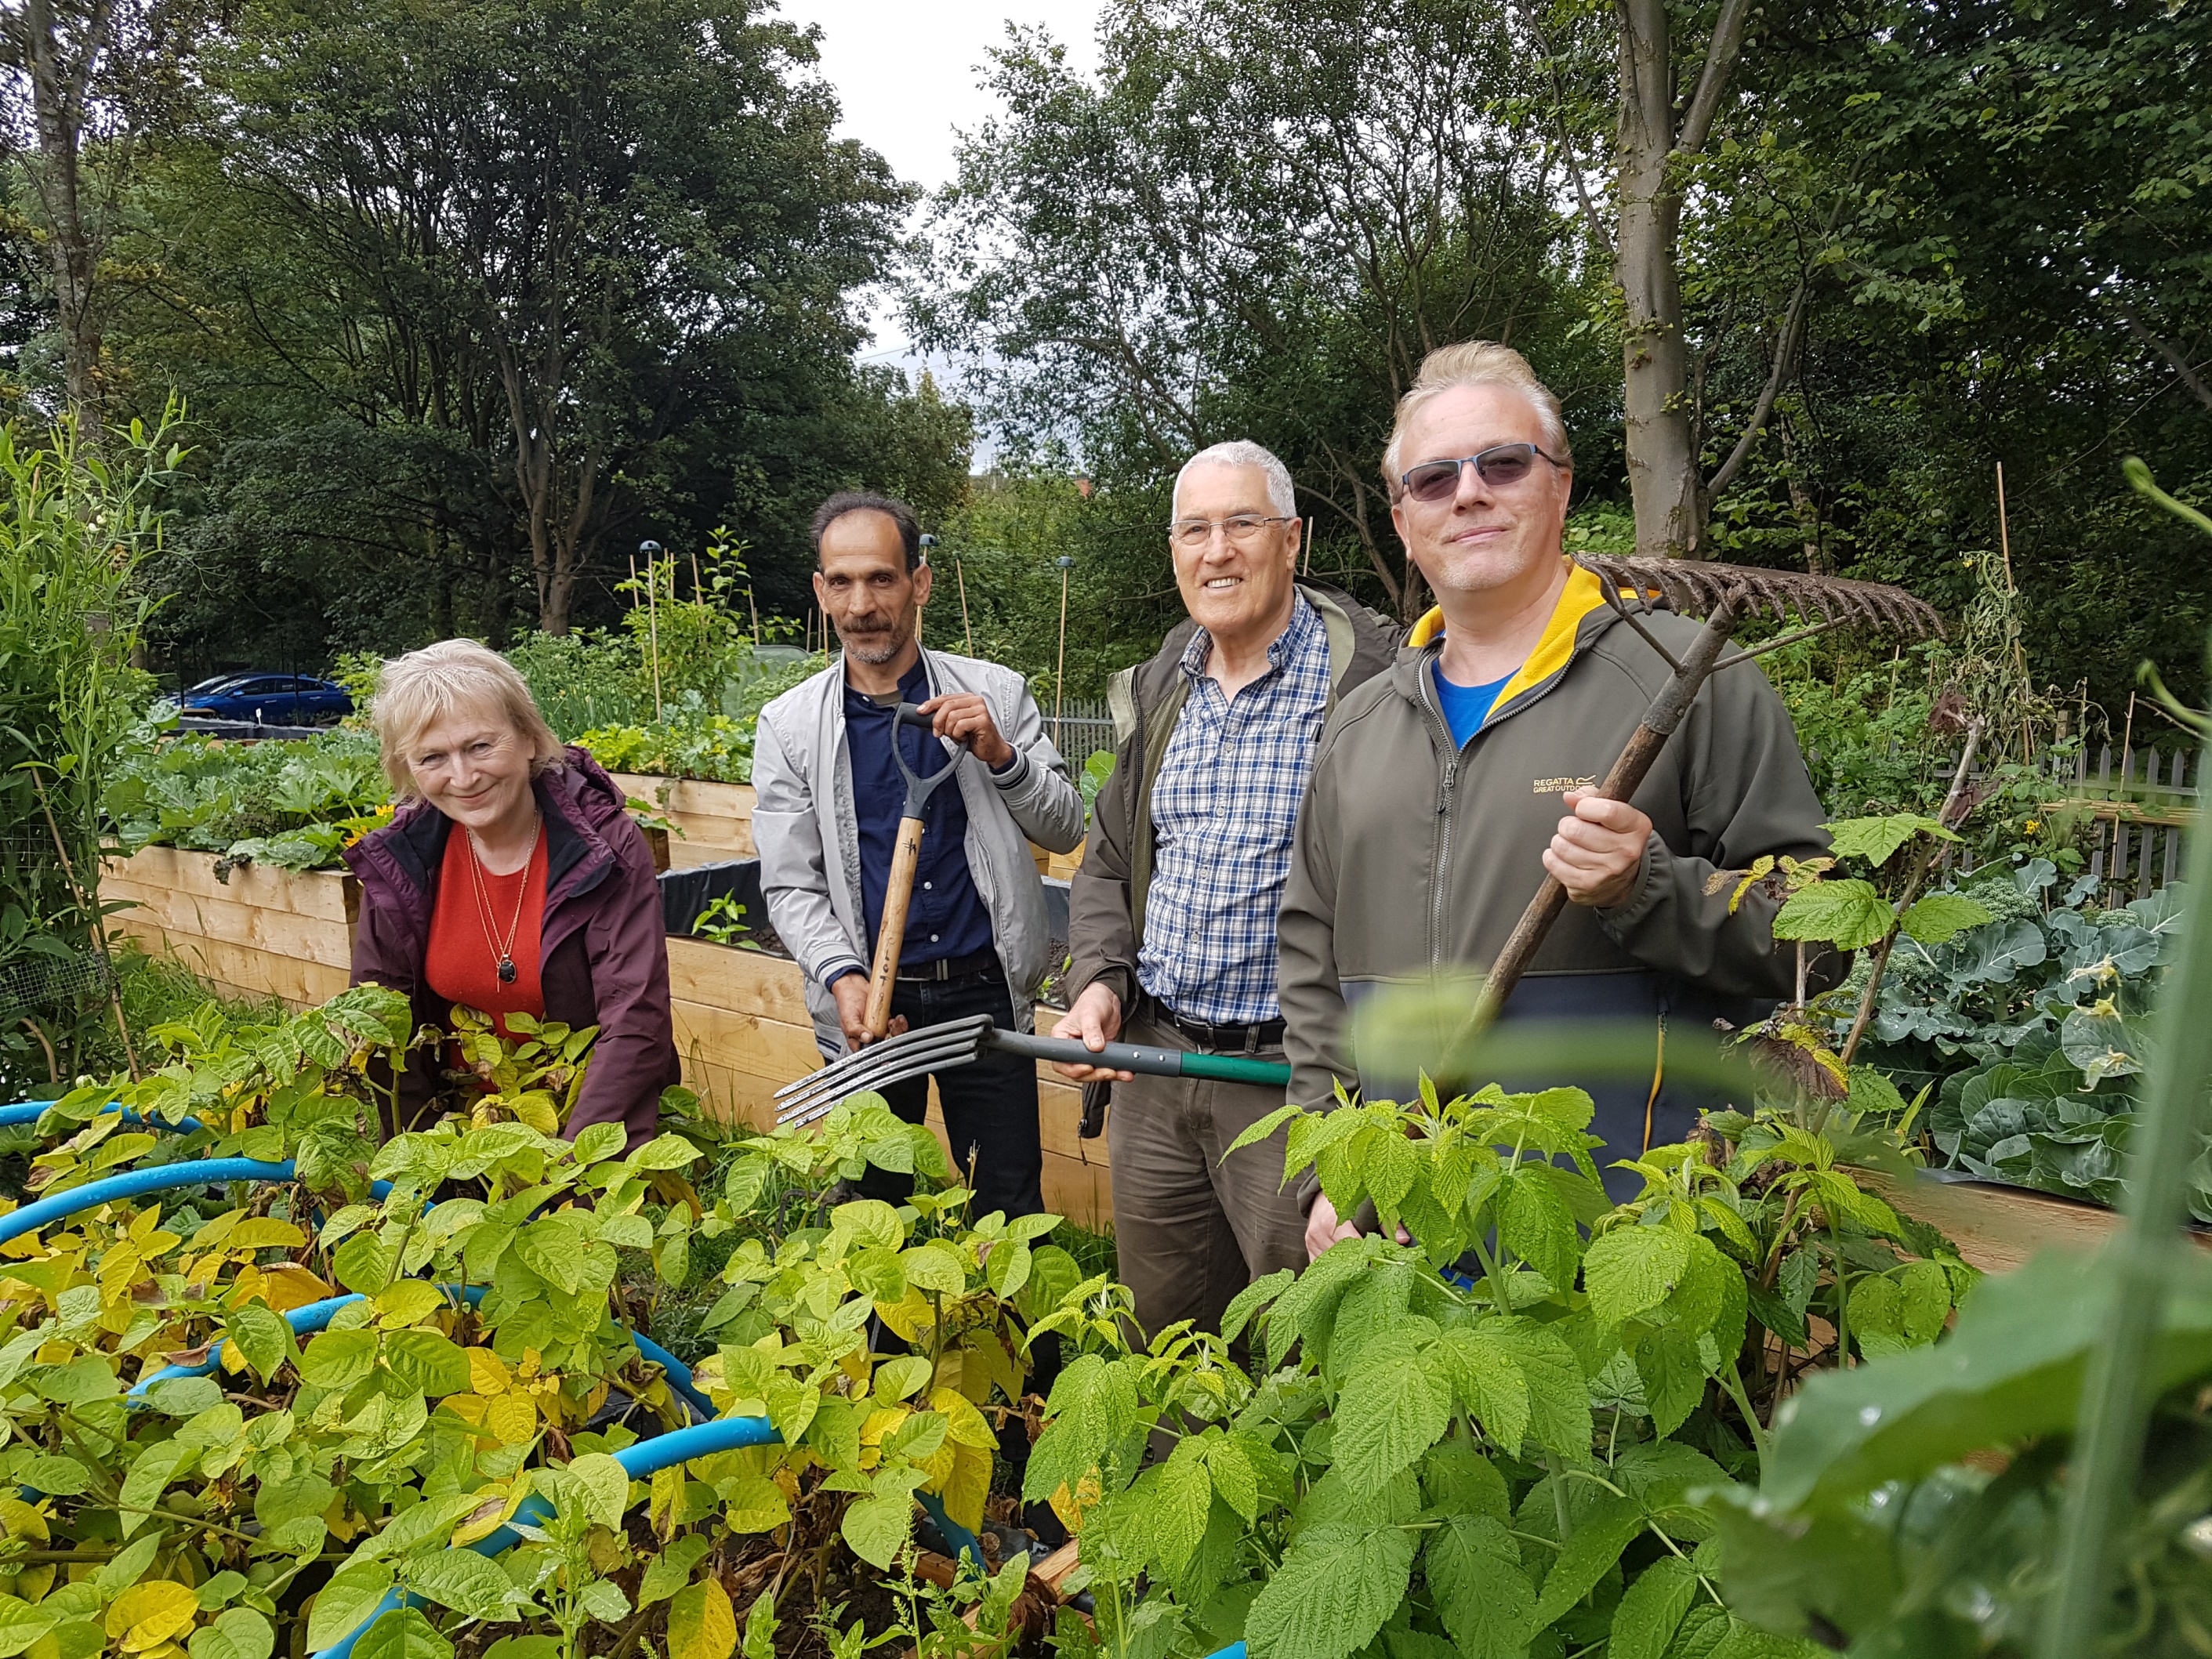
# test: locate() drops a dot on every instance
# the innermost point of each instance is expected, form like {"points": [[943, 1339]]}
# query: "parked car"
{"points": [[268, 699]]}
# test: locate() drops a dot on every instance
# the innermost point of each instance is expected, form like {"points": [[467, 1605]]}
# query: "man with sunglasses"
{"points": [[1172, 916], [1445, 788]]}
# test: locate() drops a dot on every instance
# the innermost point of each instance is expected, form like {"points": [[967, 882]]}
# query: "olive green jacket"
{"points": [[1412, 855], [1106, 899]]}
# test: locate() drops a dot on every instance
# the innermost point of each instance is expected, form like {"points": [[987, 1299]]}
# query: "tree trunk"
{"points": [[59, 91], [1663, 467]]}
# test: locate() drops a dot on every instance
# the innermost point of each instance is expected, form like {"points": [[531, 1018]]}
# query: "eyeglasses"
{"points": [[1241, 531], [1500, 468]]}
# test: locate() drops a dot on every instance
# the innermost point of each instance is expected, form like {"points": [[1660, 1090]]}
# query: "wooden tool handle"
{"points": [[898, 894]]}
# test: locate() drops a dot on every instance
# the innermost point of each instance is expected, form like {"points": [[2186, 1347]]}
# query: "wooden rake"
{"points": [[1725, 595]]}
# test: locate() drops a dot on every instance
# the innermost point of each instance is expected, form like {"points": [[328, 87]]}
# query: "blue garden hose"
{"points": [[30, 1111]]}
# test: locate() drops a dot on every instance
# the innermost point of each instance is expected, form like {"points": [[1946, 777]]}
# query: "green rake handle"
{"points": [[1151, 1063]]}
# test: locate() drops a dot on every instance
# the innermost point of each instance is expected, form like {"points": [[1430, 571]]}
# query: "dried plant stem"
{"points": [[90, 906]]}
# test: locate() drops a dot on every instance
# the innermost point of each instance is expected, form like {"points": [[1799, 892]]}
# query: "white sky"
{"points": [[906, 72]]}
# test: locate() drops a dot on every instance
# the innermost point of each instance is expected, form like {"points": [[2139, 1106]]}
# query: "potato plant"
{"points": [[196, 1474]]}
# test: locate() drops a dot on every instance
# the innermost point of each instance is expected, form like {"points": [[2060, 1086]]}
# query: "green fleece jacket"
{"points": [[1412, 855]]}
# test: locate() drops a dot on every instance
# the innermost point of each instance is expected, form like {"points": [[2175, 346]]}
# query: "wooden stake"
{"points": [[1059, 673], [753, 604], [698, 593], [966, 632], [2012, 597], [1306, 569], [653, 627]]}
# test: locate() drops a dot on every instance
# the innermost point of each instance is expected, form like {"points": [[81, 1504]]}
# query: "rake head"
{"points": [[1693, 587], [894, 1060]]}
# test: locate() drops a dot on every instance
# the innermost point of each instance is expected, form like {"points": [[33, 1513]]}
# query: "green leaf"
{"points": [[236, 1633], [22, 1623], [876, 1527], [550, 1249], [340, 1605], [362, 1264], [121, 1570], [1007, 1269], [150, 1476], [428, 1361], [1458, 1479], [934, 1267], [1667, 1363], [605, 1484], [262, 1337], [670, 1570], [467, 1583], [1485, 1600], [1631, 1270], [1183, 1495], [1249, 1300], [1390, 1412], [604, 1599], [1256, 1133], [1334, 1589], [1645, 1621], [56, 1476], [1588, 1555], [1877, 839], [403, 1633], [1941, 917], [1847, 914], [1534, 1221], [597, 1142], [1558, 1394], [338, 1359]]}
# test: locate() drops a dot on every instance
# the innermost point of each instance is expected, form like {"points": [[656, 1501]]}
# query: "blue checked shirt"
{"points": [[1224, 807]]}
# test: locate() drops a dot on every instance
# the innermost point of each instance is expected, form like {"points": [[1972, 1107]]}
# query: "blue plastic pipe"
{"points": [[132, 1183], [30, 1111]]}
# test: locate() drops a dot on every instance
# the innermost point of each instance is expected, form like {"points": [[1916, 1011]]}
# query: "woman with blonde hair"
{"points": [[511, 881]]}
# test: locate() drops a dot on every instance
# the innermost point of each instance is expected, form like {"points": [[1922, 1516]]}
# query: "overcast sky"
{"points": [[906, 73]]}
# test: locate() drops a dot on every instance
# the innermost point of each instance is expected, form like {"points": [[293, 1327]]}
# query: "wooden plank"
{"points": [[1996, 1228], [747, 982], [745, 1042], [243, 969], [281, 933], [331, 895]]}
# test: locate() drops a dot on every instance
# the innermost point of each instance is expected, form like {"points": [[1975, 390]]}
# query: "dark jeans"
{"points": [[990, 1104]]}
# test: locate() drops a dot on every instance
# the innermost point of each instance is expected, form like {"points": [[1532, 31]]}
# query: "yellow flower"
{"points": [[2034, 825]]}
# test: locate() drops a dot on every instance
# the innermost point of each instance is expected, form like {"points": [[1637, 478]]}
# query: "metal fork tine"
{"points": [[934, 1049]]}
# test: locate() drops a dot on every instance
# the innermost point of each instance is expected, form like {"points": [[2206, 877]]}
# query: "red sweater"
{"points": [[462, 962]]}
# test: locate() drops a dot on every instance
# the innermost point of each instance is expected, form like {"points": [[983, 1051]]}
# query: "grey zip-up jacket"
{"points": [[1106, 900], [807, 833], [1413, 856]]}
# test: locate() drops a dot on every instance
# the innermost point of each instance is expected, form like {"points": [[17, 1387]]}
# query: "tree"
{"points": [[1246, 231], [576, 226]]}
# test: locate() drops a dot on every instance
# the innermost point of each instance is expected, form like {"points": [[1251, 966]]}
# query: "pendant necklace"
{"points": [[502, 954]]}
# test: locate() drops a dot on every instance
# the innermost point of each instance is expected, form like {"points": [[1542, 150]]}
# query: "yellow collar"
{"points": [[1581, 596]]}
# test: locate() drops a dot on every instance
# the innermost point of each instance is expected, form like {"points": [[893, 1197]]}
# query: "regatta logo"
{"points": [[1560, 786]]}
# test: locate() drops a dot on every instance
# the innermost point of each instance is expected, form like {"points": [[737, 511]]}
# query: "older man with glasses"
{"points": [[1438, 790], [1172, 916]]}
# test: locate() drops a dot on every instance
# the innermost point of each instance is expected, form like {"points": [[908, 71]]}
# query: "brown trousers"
{"points": [[1191, 1231]]}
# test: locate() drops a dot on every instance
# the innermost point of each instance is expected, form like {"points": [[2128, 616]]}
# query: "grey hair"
{"points": [[1282, 494], [1473, 362], [423, 686]]}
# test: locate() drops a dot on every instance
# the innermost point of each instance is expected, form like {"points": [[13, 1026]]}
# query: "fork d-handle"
{"points": [[891, 938], [1666, 713]]}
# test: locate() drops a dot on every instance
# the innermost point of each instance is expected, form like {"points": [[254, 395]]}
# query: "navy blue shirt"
{"points": [[947, 917]]}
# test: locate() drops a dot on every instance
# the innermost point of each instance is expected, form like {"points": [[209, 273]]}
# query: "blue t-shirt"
{"points": [[1465, 706]]}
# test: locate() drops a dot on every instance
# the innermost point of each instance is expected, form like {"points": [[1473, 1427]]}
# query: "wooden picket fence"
{"points": [[2138, 813]]}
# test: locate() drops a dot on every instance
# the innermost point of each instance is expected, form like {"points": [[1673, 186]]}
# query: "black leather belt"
{"points": [[1225, 1039], [982, 962]]}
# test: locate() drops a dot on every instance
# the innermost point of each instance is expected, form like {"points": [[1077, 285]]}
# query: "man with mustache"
{"points": [[829, 794]]}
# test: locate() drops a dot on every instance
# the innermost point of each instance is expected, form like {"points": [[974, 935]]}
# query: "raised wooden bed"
{"points": [[264, 932]]}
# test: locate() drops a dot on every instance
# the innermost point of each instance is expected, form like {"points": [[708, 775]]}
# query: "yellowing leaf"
{"points": [[22, 1521], [963, 1422], [1073, 1508], [513, 1417], [407, 1302], [146, 1615], [969, 1486], [263, 1232], [489, 1517], [702, 1624], [282, 1287], [910, 1316], [879, 1425], [487, 1372]]}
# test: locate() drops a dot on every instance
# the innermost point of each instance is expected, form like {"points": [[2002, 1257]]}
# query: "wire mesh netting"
{"points": [[44, 983]]}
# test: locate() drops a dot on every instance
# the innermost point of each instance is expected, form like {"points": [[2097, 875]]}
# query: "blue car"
{"points": [[267, 700]]}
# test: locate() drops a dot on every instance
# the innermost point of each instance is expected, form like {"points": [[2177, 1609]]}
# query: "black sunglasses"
{"points": [[1499, 467]]}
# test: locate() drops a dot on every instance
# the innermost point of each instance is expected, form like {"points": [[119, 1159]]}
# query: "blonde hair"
{"points": [[422, 687], [1473, 362]]}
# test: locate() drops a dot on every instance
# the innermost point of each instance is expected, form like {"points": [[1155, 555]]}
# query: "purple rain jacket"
{"points": [[603, 950]]}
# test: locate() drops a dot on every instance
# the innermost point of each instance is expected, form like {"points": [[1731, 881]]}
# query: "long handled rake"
{"points": [[1724, 594]]}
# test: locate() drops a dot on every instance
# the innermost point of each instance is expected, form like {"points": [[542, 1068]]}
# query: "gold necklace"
{"points": [[503, 955]]}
